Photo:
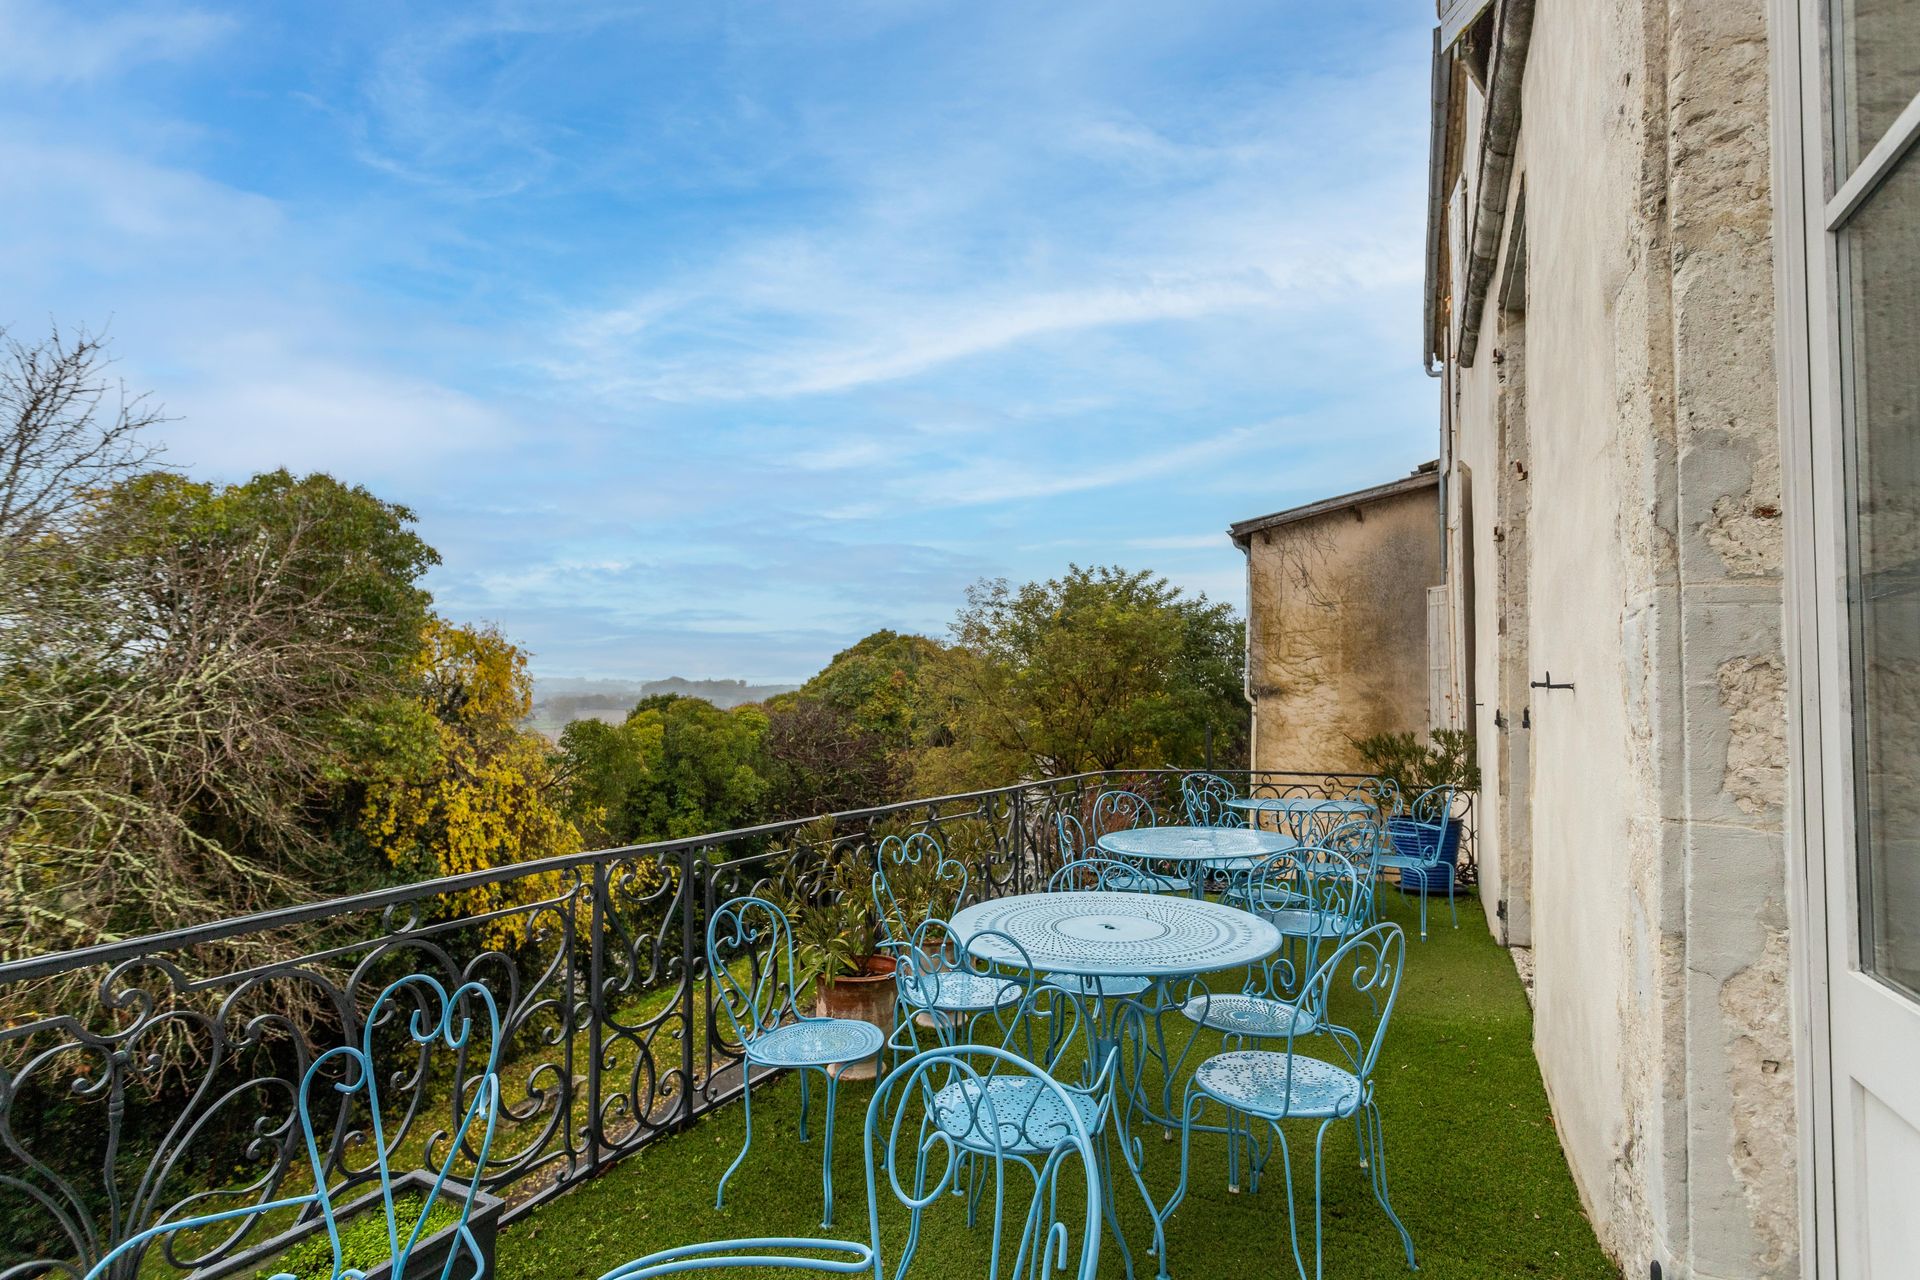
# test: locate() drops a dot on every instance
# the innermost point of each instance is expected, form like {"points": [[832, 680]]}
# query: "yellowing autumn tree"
{"points": [[483, 793]]}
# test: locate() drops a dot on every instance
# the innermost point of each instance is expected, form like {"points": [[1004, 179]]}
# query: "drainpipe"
{"points": [[1498, 137], [1246, 652], [1436, 164]]}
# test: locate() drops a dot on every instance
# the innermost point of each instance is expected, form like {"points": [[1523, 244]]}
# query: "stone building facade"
{"points": [[1654, 322], [1337, 621]]}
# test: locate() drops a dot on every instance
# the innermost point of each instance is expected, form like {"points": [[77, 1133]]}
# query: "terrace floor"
{"points": [[1477, 1172]]}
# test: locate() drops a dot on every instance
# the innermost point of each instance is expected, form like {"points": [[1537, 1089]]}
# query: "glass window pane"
{"points": [[1876, 71], [1880, 306]]}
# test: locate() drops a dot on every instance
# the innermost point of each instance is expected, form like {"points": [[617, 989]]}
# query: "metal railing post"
{"points": [[596, 1004], [1017, 841], [688, 1028]]}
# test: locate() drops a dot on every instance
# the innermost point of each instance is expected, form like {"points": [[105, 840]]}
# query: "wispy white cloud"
{"points": [[57, 44], [992, 481], [217, 302]]}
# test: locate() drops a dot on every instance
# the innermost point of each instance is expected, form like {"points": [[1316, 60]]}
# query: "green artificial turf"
{"points": [[1475, 1166]]}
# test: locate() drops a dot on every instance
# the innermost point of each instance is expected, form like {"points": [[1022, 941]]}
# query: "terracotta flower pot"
{"points": [[866, 996]]}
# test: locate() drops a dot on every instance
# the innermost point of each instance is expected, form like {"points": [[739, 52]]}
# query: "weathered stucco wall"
{"points": [[1652, 504], [1337, 629]]}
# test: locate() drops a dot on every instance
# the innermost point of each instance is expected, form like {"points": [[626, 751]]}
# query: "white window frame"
{"points": [[1823, 857]]}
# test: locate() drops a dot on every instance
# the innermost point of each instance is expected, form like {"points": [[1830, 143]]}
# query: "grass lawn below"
{"points": [[1475, 1166]]}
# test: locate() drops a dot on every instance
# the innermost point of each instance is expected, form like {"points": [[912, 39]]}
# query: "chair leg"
{"points": [[920, 1196], [1319, 1161], [1453, 897], [1286, 1183], [1233, 1152], [1194, 1102], [826, 1145], [746, 1099], [1377, 1152], [804, 1099], [1103, 1151]]}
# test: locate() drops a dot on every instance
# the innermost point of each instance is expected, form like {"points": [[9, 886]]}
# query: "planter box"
{"points": [[429, 1252], [1416, 840], [866, 997]]}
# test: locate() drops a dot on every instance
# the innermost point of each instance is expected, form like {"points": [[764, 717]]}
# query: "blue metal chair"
{"points": [[1317, 898], [939, 984], [1118, 810], [1423, 842], [930, 984], [899, 855], [1121, 810], [958, 1110], [1206, 798], [750, 960], [349, 1084], [1364, 840], [1358, 984], [1119, 876]]}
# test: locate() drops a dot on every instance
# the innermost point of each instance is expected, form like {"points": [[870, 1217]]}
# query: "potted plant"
{"points": [[307, 1254], [1447, 759], [827, 894]]}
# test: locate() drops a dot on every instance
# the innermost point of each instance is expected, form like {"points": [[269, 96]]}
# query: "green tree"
{"points": [[699, 769], [601, 766], [1101, 668], [879, 685], [847, 737]]}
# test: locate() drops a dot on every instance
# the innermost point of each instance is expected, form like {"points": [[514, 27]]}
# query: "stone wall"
{"points": [[1337, 629], [1655, 851]]}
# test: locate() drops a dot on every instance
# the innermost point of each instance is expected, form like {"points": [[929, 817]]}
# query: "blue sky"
{"points": [[705, 338]]}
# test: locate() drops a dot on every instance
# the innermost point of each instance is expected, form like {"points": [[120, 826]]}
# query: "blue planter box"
{"points": [[1415, 840]]}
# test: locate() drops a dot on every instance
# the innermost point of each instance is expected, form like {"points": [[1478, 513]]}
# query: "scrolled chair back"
{"points": [[932, 950], [1381, 792], [1207, 799], [1432, 807], [1093, 874], [918, 1146], [1120, 810], [750, 963], [1358, 836], [918, 857], [1336, 884], [1352, 994], [1070, 843], [345, 1083]]}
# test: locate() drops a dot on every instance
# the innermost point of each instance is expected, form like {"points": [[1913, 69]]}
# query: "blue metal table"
{"points": [[1107, 935], [1205, 848], [1104, 935]]}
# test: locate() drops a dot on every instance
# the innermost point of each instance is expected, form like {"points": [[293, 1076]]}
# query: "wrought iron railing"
{"points": [[150, 1079]]}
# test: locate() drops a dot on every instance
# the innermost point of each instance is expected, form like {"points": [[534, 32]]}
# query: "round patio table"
{"points": [[1089, 934], [1299, 811], [1222, 849], [1111, 935]]}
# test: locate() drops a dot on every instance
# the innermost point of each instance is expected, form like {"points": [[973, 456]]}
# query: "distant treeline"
{"points": [[611, 700]]}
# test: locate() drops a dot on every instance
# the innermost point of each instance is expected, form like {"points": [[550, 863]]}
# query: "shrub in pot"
{"points": [[827, 894], [1447, 759]]}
